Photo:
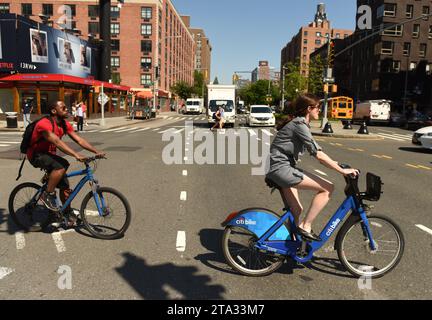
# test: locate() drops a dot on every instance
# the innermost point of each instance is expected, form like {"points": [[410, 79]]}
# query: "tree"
{"points": [[257, 93], [295, 82], [216, 81], [199, 87], [315, 79], [182, 89]]}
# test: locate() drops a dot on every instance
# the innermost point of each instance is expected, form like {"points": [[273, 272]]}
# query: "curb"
{"points": [[348, 136]]}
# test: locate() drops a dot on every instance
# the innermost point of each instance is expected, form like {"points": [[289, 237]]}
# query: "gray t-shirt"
{"points": [[290, 142]]}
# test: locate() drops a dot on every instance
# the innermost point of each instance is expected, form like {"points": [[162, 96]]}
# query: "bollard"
{"points": [[347, 125], [363, 129], [328, 128]]}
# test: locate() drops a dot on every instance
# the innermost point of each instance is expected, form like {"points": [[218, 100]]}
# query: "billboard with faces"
{"points": [[37, 48]]}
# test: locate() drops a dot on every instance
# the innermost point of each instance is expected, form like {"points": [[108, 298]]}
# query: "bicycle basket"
{"points": [[373, 187]]}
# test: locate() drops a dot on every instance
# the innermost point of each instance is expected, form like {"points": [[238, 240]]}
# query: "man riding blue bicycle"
{"points": [[45, 140]]}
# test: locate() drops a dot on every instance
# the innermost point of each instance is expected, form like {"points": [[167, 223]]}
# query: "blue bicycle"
{"points": [[257, 241], [106, 217]]}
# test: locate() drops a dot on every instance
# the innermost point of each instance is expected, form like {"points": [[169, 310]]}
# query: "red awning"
{"points": [[62, 78], [144, 94]]}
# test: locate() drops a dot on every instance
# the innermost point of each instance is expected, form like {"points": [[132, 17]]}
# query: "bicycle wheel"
{"points": [[115, 219], [353, 247], [25, 210], [241, 254]]}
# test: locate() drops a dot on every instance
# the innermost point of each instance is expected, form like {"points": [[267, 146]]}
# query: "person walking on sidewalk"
{"points": [[80, 117], [84, 110], [26, 110]]}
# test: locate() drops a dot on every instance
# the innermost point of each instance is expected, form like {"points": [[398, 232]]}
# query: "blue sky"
{"points": [[242, 32]]}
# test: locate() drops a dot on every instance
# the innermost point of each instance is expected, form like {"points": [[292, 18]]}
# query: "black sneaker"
{"points": [[72, 219], [50, 201]]}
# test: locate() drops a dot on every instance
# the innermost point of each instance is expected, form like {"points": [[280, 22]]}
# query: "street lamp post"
{"points": [[283, 87]]}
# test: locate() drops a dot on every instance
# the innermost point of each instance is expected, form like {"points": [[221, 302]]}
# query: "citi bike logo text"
{"points": [[332, 227], [221, 148], [246, 222]]}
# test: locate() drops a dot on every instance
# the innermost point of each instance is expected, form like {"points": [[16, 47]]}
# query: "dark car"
{"points": [[417, 121], [397, 119]]}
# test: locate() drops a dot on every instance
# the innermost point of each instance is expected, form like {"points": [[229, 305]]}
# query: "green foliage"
{"points": [[256, 93], [295, 82], [199, 88], [182, 89], [115, 77], [315, 80]]}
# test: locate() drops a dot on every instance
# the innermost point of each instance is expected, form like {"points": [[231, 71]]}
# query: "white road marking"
{"points": [[252, 133], [425, 229], [183, 196], [388, 136], [125, 130], [4, 145], [20, 240], [91, 131], [10, 142], [181, 241], [178, 131], [170, 129], [59, 243], [144, 129], [322, 173], [185, 173], [267, 132], [5, 271], [111, 130], [156, 129]]}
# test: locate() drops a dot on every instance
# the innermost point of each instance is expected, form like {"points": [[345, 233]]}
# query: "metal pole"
{"points": [[406, 88], [156, 59], [283, 89], [325, 119], [105, 36], [102, 122]]}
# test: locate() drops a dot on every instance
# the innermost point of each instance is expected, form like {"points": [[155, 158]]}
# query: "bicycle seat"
{"points": [[271, 184]]}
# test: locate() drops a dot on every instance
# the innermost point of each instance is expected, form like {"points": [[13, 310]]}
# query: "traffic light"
{"points": [[334, 88], [326, 88], [331, 57]]}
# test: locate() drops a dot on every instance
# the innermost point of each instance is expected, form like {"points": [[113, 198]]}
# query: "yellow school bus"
{"points": [[340, 108]]}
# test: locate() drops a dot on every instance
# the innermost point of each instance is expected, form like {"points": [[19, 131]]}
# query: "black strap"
{"points": [[20, 169]]}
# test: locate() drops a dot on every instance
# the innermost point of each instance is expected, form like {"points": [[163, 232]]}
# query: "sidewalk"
{"points": [[94, 124], [340, 132]]}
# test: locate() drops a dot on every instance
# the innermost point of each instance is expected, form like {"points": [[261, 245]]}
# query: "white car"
{"points": [[261, 115], [426, 131]]}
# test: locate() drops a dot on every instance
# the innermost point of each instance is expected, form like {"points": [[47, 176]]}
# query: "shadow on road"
{"points": [[329, 266], [416, 150], [12, 228], [211, 240], [154, 282]]}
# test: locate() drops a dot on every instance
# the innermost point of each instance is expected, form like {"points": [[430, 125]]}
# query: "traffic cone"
{"points": [[347, 125], [363, 129], [328, 128]]}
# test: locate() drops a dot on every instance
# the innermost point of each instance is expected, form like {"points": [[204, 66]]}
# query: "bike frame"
{"points": [[290, 248], [88, 177]]}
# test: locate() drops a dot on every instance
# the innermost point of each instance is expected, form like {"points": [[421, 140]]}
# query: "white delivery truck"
{"points": [[194, 105], [373, 111], [221, 95]]}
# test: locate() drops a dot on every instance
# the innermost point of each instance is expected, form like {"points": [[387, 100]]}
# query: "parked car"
{"points": [[426, 131], [397, 119], [261, 115], [417, 121], [426, 141]]}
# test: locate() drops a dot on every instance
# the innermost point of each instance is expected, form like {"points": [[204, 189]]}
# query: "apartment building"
{"points": [[202, 53], [145, 34], [311, 38]]}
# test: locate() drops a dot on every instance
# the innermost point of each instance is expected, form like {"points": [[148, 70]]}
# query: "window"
{"points": [[430, 32], [426, 11], [318, 34], [396, 31], [93, 11], [72, 8], [146, 46], [115, 28], [409, 11], [337, 35], [387, 47], [146, 79], [304, 49], [146, 12], [396, 66], [146, 29], [318, 41], [93, 27], [305, 41], [423, 48], [305, 33], [407, 49], [115, 45], [146, 63], [416, 31], [115, 62], [26, 9], [47, 9], [4, 8], [115, 12], [413, 66], [390, 10]]}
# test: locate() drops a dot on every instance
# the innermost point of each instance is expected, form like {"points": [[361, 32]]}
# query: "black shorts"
{"points": [[51, 162]]}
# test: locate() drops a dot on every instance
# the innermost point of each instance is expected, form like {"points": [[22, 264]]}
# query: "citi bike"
{"points": [[106, 217], [256, 242]]}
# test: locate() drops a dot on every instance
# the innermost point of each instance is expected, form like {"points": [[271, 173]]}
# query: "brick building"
{"points": [[144, 34], [202, 53], [309, 39], [396, 64]]}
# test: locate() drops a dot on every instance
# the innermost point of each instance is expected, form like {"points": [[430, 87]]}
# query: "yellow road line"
{"points": [[412, 166], [387, 157], [423, 167], [376, 156]]}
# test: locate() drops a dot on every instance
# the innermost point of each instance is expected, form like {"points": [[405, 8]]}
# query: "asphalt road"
{"points": [[172, 249]]}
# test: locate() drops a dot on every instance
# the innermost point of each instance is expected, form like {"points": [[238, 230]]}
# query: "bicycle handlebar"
{"points": [[94, 158]]}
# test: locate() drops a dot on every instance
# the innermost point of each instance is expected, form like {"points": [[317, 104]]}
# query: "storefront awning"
{"points": [[62, 78], [144, 94]]}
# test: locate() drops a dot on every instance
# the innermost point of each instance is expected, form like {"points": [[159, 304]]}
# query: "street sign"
{"points": [[103, 98]]}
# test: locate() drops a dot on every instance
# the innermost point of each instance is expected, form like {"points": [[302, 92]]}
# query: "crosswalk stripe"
{"points": [[170, 129], [267, 132], [252, 133], [4, 145], [397, 135], [111, 130], [10, 142], [390, 137], [425, 229], [144, 129], [157, 129], [126, 130]]}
